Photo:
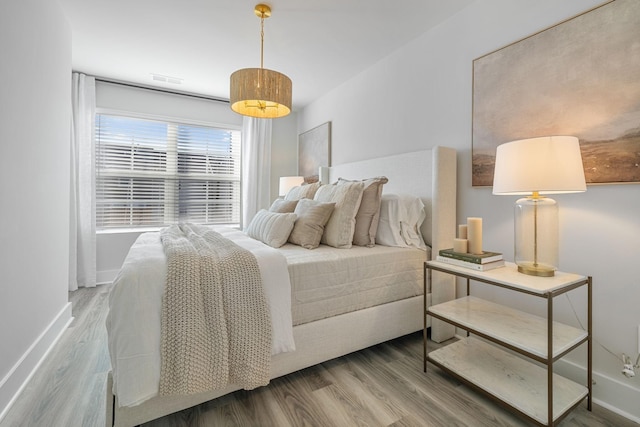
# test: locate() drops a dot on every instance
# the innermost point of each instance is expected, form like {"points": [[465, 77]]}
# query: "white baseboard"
{"points": [[106, 276], [18, 377], [616, 395]]}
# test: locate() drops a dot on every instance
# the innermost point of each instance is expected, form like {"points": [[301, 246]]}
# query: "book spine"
{"points": [[461, 257], [460, 263]]}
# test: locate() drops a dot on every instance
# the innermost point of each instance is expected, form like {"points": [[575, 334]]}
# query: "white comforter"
{"points": [[133, 323]]}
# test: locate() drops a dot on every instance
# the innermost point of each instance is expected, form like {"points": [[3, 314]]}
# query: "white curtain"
{"points": [[82, 257], [256, 167]]}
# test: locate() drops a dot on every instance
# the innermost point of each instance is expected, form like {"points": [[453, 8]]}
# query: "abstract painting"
{"points": [[579, 78], [314, 150]]}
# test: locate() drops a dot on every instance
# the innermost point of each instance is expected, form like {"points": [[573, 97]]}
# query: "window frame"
{"points": [[168, 120]]}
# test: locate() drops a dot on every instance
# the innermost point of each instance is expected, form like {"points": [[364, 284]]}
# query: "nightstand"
{"points": [[498, 357]]}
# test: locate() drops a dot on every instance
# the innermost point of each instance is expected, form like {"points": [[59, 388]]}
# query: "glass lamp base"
{"points": [[536, 235], [536, 270]]}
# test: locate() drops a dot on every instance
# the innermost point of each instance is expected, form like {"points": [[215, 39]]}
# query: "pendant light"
{"points": [[259, 92]]}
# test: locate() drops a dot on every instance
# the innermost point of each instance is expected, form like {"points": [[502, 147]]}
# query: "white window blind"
{"points": [[152, 173]]}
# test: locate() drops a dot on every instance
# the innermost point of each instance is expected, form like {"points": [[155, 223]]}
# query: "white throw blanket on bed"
{"points": [[216, 328], [133, 322]]}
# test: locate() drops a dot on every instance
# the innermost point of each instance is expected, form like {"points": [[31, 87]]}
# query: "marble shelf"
{"points": [[511, 379], [513, 327], [509, 276]]}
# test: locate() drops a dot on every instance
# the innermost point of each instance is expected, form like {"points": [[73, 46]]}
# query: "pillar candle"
{"points": [[474, 235], [460, 245], [462, 231]]}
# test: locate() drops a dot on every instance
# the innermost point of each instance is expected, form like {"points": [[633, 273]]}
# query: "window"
{"points": [[152, 173]]}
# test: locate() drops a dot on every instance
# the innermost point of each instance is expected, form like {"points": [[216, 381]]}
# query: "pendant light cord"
{"points": [[262, 40]]}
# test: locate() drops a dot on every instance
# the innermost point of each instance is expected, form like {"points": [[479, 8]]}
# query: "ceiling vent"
{"points": [[166, 79]]}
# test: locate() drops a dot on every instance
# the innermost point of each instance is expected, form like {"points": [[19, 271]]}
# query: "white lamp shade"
{"points": [[323, 174], [288, 182], [548, 165]]}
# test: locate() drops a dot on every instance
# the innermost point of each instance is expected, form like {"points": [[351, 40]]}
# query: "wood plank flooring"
{"points": [[380, 386]]}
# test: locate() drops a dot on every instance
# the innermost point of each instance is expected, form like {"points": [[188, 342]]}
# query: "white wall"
{"points": [[284, 151], [112, 248], [421, 96], [35, 105]]}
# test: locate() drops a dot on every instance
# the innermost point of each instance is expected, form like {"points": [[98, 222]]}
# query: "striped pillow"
{"points": [[271, 228], [339, 230]]}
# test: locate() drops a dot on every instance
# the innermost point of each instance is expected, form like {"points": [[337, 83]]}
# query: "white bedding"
{"points": [[327, 281], [133, 322]]}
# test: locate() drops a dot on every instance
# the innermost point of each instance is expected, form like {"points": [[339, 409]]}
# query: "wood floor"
{"points": [[380, 386]]}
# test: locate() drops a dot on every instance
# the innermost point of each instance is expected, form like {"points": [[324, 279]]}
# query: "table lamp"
{"points": [[535, 167], [288, 182]]}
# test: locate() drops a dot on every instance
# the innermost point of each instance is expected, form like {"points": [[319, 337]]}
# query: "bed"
{"points": [[320, 334]]}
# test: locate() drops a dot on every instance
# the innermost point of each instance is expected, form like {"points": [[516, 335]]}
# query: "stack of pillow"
{"points": [[340, 215]]}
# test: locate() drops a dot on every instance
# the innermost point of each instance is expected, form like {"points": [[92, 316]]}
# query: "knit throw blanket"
{"points": [[216, 326]]}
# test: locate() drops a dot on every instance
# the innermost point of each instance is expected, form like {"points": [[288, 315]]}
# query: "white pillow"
{"points": [[401, 216], [271, 228], [340, 228]]}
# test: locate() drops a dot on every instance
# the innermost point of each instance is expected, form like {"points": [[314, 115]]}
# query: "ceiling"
{"points": [[318, 44]]}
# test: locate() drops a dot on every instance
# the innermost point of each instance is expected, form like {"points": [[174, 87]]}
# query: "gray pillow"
{"points": [[271, 228], [368, 214], [311, 219]]}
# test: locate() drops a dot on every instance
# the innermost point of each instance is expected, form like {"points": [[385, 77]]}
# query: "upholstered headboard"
{"points": [[430, 175]]}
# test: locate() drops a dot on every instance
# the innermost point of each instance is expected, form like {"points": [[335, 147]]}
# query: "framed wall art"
{"points": [[314, 150], [579, 78]]}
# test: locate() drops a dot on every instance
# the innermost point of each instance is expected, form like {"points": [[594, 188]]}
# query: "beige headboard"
{"points": [[430, 175]]}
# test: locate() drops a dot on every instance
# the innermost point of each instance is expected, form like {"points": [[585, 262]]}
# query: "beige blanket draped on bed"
{"points": [[216, 326]]}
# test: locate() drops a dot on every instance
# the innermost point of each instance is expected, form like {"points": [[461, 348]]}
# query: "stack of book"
{"points": [[479, 262]]}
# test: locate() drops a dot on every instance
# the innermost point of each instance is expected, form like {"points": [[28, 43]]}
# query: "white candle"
{"points": [[462, 231], [460, 245], [474, 235]]}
